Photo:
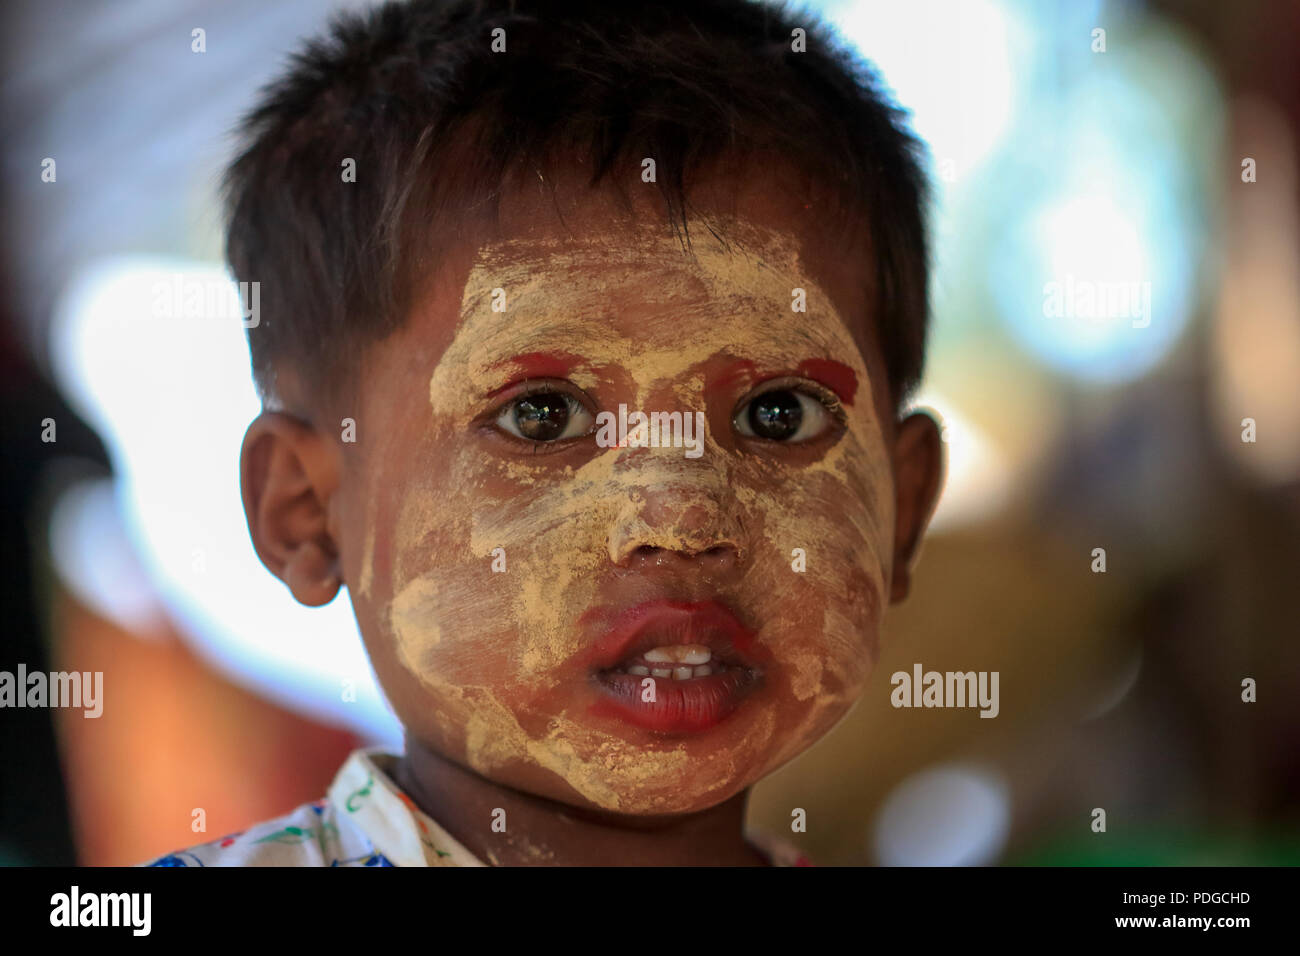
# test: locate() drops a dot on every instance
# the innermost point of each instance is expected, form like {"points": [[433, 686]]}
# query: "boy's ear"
{"points": [[918, 477], [287, 472]]}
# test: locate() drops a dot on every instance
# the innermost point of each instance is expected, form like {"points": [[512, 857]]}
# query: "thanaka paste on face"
{"points": [[488, 646]]}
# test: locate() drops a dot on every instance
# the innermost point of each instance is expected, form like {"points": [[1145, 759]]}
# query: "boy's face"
{"points": [[537, 603]]}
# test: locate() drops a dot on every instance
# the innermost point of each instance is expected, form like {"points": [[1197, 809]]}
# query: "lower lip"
{"points": [[689, 706]]}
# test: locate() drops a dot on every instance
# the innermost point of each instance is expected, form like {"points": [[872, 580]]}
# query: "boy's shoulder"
{"points": [[309, 835], [364, 820]]}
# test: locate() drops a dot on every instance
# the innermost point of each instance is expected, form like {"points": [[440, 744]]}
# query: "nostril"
{"points": [[649, 553]]}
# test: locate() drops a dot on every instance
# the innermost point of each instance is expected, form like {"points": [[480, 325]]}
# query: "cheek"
{"points": [[553, 526], [436, 624], [456, 594], [821, 624], [492, 564]]}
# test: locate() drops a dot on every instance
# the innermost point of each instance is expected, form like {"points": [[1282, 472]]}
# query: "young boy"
{"points": [[585, 333]]}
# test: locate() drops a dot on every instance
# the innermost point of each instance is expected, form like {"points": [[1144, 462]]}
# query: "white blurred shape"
{"points": [[1095, 268], [96, 561], [1096, 310], [167, 386], [1090, 239], [948, 815], [956, 82]]}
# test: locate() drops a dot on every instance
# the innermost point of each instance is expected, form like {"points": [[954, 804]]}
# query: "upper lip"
{"points": [[661, 623]]}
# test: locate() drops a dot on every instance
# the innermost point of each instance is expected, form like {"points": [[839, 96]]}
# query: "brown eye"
{"points": [[545, 417], [783, 415]]}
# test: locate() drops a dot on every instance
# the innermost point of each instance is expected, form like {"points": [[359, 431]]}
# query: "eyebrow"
{"points": [[836, 376], [539, 365]]}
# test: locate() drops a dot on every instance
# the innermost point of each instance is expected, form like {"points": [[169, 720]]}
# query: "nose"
{"points": [[677, 525]]}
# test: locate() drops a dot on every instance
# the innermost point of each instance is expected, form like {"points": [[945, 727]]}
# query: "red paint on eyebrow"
{"points": [[543, 364], [839, 378], [836, 376], [734, 373], [540, 365]]}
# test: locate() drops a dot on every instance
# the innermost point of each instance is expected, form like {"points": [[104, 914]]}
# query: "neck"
{"points": [[548, 833]]}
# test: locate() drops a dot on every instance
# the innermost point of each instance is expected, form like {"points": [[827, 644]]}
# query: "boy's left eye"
{"points": [[545, 417], [783, 415]]}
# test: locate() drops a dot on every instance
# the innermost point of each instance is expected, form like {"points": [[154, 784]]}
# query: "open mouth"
{"points": [[674, 667]]}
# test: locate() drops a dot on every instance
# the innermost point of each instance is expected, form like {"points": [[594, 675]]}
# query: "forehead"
{"points": [[624, 293], [577, 267]]}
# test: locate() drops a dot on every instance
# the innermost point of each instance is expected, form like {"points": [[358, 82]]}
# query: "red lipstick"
{"points": [[673, 667]]}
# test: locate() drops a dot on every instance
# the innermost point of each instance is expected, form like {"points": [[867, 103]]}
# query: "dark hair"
{"points": [[438, 124]]}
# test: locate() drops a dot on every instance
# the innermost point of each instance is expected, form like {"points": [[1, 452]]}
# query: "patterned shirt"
{"points": [[366, 820]]}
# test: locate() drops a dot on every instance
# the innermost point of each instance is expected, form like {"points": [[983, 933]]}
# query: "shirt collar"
{"points": [[364, 792]]}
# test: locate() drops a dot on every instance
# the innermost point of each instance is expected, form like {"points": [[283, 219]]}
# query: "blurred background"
{"points": [[1115, 353]]}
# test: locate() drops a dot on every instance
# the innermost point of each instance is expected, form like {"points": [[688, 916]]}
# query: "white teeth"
{"points": [[684, 671], [679, 654]]}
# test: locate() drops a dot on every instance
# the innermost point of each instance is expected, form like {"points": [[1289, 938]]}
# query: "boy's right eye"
{"points": [[546, 416]]}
